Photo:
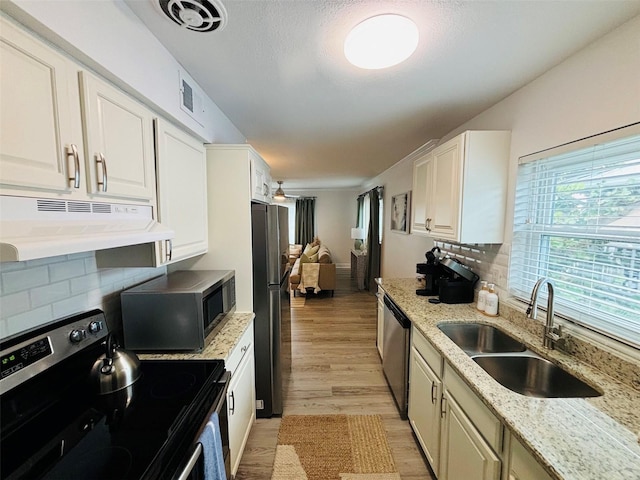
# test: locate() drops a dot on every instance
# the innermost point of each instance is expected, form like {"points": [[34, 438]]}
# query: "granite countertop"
{"points": [[573, 438], [218, 346]]}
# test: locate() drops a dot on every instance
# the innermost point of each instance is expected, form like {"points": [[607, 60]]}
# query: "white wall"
{"points": [[593, 91], [335, 216], [109, 38]]}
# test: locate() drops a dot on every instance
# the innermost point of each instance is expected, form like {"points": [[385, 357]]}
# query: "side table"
{"points": [[358, 267]]}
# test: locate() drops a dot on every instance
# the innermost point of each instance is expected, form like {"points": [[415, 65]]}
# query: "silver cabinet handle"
{"points": [[169, 246], [103, 161], [428, 224], [433, 392], [72, 151], [443, 407], [232, 408]]}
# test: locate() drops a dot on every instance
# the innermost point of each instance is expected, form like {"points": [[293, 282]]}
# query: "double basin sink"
{"points": [[512, 365]]}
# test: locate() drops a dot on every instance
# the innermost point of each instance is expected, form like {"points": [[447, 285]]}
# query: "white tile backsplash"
{"points": [[490, 262], [38, 291]]}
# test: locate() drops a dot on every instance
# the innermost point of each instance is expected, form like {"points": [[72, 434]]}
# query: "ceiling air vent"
{"points": [[195, 15]]}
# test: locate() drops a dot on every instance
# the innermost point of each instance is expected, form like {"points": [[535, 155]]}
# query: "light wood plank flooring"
{"points": [[335, 369]]}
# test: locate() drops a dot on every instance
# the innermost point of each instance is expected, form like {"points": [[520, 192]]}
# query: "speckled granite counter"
{"points": [[218, 345], [574, 438]]}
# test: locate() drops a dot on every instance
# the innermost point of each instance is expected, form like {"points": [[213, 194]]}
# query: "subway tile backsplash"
{"points": [[490, 262], [35, 292]]}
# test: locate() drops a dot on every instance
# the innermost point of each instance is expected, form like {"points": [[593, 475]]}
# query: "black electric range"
{"points": [[54, 425]]}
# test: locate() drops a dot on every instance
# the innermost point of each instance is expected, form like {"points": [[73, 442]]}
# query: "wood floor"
{"points": [[335, 369]]}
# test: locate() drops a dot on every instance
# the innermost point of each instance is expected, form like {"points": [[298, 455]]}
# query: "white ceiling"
{"points": [[278, 72]]}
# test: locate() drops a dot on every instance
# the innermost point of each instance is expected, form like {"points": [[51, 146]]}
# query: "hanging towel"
{"points": [[211, 441], [309, 276]]}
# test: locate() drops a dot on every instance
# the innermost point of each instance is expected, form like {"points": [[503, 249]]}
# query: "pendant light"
{"points": [[279, 194]]}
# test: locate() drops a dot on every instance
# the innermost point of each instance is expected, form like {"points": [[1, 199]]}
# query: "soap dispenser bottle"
{"points": [[491, 306], [482, 296]]}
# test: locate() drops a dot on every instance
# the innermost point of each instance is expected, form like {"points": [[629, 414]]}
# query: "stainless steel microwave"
{"points": [[178, 311]]}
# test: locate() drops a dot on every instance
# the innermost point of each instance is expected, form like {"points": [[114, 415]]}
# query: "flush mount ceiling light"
{"points": [[381, 41]]}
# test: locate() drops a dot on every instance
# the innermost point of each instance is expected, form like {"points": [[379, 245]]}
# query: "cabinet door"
{"points": [[182, 190], [380, 331], [241, 403], [446, 192], [464, 453], [422, 187], [424, 407], [118, 142], [260, 179], [523, 466], [39, 114]]}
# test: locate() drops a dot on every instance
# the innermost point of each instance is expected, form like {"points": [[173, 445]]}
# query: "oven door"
{"points": [[193, 465]]}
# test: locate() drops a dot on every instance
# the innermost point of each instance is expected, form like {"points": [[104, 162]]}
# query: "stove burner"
{"points": [[173, 385]]}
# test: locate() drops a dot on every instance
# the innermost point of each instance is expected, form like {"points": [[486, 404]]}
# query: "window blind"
{"points": [[577, 222]]}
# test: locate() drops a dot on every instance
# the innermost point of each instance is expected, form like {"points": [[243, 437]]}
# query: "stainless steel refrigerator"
{"points": [[272, 324]]}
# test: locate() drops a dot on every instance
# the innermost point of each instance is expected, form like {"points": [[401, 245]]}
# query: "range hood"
{"points": [[32, 228]]}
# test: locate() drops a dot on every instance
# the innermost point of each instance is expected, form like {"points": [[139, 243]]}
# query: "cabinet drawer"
{"points": [[484, 421], [240, 350], [428, 352]]}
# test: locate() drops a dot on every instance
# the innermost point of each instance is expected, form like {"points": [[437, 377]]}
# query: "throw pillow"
{"points": [[304, 258], [316, 241], [307, 248], [313, 250]]}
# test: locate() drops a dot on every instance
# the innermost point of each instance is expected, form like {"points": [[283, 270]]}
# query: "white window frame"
{"points": [[527, 245]]}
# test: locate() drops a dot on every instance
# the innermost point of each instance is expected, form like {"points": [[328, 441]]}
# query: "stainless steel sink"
{"points": [[534, 376], [476, 338]]}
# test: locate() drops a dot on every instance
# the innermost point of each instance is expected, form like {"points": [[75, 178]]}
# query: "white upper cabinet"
{"points": [[422, 181], [69, 136], [182, 191], [260, 178], [40, 129], [118, 142], [461, 188]]}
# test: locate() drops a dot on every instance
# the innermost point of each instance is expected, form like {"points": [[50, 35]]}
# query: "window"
{"points": [[577, 222]]}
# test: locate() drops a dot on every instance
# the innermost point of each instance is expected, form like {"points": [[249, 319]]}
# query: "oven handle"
{"points": [[226, 377], [191, 463]]}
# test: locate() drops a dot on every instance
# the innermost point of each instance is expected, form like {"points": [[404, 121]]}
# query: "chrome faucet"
{"points": [[551, 334]]}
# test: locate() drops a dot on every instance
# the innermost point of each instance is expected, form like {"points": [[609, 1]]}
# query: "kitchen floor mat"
{"points": [[327, 447]]}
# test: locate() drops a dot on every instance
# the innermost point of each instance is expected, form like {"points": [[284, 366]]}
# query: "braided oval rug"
{"points": [[328, 447]]}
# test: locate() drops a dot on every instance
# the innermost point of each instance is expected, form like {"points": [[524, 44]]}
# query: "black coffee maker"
{"points": [[432, 271], [456, 284]]}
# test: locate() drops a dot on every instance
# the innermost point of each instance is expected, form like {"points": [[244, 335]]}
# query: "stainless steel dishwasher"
{"points": [[395, 349]]}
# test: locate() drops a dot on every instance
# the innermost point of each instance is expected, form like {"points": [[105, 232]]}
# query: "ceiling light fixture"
{"points": [[279, 193], [381, 41]]}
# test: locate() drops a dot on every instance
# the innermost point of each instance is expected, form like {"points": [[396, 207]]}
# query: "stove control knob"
{"points": [[95, 327], [76, 336]]}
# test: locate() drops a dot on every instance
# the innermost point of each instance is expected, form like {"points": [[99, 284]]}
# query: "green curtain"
{"points": [[374, 247], [305, 220]]}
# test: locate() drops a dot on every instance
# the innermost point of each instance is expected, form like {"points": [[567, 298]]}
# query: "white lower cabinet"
{"points": [[424, 406], [461, 438], [522, 465], [465, 454], [241, 396]]}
